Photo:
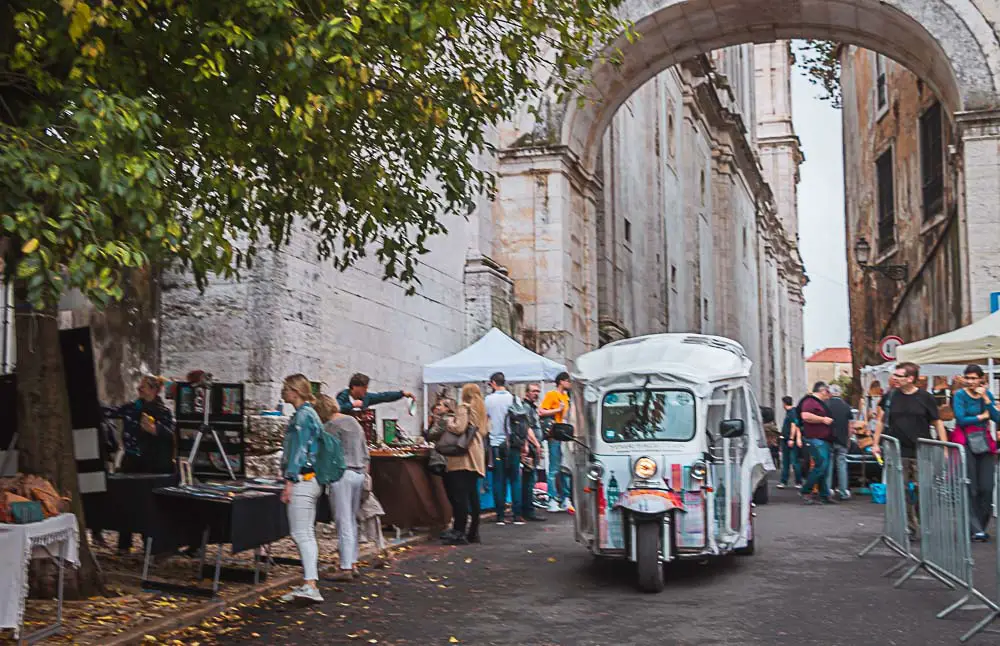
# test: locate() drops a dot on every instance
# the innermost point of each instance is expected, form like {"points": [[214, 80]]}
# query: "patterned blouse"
{"points": [[300, 443]]}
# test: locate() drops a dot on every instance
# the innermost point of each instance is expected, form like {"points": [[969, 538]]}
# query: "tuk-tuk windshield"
{"points": [[644, 415]]}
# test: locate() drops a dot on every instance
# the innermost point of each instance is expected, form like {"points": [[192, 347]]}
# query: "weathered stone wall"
{"points": [[930, 302], [294, 313]]}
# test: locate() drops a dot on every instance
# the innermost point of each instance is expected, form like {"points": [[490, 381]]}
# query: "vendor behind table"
{"points": [[356, 395]]}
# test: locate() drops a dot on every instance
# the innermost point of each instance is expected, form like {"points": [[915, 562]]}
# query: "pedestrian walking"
{"points": [[301, 492], [816, 431], [975, 406], [840, 441], [506, 464], [791, 444], [555, 409], [531, 455], [907, 413], [464, 471], [345, 494]]}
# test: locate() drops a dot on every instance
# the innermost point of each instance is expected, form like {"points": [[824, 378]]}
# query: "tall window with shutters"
{"points": [[886, 201], [932, 161], [881, 86]]}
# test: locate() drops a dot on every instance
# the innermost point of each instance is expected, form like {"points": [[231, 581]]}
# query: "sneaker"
{"points": [[448, 534], [304, 592], [845, 495], [342, 575], [553, 507], [808, 499], [566, 505], [981, 537], [501, 522], [518, 521], [781, 485]]}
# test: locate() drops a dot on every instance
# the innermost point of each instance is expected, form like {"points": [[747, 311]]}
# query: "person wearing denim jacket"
{"points": [[975, 406], [302, 491]]}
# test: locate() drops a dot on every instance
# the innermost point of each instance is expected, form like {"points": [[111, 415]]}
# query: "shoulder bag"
{"points": [[975, 436], [453, 444]]}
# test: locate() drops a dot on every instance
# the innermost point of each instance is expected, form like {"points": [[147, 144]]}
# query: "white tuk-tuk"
{"points": [[669, 447]]}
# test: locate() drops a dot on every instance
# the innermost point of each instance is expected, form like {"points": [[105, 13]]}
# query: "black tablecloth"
{"points": [[127, 505], [246, 520]]}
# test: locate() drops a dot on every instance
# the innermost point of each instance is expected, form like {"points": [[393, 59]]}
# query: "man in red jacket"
{"points": [[816, 433]]}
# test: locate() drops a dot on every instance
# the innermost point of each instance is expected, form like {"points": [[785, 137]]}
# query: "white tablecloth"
{"points": [[18, 545]]}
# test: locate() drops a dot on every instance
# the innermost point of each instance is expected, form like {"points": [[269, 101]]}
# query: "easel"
{"points": [[205, 385]]}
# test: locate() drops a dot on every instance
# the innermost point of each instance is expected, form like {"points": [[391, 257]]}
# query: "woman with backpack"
{"points": [[464, 471], [974, 407], [345, 493], [302, 489]]}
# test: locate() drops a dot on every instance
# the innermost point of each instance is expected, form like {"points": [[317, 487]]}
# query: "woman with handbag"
{"points": [[462, 444], [975, 406]]}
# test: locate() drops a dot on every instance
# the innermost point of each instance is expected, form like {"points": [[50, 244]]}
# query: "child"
{"points": [[370, 522]]}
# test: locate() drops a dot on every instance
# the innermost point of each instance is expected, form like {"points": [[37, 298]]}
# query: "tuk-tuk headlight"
{"points": [[595, 471], [644, 468], [699, 470]]}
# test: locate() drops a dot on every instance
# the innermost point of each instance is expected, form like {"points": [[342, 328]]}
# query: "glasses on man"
{"points": [[899, 375]]}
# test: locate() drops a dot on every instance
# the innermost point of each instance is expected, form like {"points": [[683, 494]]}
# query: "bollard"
{"points": [[946, 547], [894, 534]]}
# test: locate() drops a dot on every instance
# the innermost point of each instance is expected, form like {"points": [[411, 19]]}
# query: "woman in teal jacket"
{"points": [[975, 406]]}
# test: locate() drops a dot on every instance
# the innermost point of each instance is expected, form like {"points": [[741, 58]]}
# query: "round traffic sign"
{"points": [[887, 347]]}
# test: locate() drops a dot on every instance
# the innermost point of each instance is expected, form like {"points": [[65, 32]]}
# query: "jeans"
{"points": [[302, 524], [980, 470], [910, 474], [838, 462], [790, 458], [506, 472], [345, 501], [553, 481], [820, 452], [462, 488], [528, 479]]}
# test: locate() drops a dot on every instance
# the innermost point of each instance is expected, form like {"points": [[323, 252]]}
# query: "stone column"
{"points": [[489, 299], [545, 235], [979, 133]]}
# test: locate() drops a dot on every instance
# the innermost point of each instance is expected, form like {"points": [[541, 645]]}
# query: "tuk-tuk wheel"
{"points": [[651, 577]]}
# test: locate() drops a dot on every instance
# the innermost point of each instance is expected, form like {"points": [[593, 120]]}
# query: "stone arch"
{"points": [[948, 43]]}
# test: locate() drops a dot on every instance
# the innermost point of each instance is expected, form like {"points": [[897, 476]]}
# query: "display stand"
{"points": [[215, 409]]}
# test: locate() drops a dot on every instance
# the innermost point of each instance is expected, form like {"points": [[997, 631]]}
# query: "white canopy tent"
{"points": [[969, 344], [494, 352]]}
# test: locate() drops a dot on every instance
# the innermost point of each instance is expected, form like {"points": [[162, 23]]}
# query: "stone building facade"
{"points": [[901, 198]]}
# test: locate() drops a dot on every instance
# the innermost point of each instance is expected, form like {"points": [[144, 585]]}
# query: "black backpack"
{"points": [[517, 424]]}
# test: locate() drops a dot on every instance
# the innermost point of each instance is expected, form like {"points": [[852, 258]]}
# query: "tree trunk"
{"points": [[46, 441]]}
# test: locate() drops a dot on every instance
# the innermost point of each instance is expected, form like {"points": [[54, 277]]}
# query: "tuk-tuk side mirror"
{"points": [[562, 432], [732, 428]]}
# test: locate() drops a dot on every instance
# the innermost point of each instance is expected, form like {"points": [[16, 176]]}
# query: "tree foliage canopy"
{"points": [[197, 131], [822, 66]]}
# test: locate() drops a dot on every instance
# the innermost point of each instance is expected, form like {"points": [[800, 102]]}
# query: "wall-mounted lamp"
{"points": [[863, 252]]}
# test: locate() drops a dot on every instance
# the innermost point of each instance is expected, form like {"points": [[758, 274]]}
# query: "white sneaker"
{"points": [[553, 507], [305, 592], [845, 495], [566, 505]]}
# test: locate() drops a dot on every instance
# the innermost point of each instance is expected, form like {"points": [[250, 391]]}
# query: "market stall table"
{"points": [[213, 514], [18, 545], [410, 495], [127, 505]]}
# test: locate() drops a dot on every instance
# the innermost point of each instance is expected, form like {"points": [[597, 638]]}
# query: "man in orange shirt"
{"points": [[555, 408]]}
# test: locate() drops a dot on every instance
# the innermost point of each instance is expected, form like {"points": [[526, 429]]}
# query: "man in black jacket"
{"points": [[840, 440]]}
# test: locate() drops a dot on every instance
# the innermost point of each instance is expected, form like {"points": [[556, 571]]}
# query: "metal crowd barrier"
{"points": [[946, 547], [982, 626], [894, 534]]}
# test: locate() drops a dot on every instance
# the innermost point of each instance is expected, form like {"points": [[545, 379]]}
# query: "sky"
{"points": [[821, 217]]}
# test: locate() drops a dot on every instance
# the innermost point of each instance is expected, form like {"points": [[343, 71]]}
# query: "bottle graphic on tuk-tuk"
{"points": [[602, 515], [615, 536]]}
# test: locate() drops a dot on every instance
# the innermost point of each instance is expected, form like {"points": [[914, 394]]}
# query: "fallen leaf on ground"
{"points": [[453, 640], [552, 559], [468, 560]]}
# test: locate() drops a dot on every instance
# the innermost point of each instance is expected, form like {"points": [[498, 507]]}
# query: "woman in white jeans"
{"points": [[301, 491], [345, 494]]}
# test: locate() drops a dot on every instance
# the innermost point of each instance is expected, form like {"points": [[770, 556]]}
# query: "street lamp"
{"points": [[862, 254]]}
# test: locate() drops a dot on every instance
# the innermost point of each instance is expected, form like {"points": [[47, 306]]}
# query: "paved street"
{"points": [[534, 585]]}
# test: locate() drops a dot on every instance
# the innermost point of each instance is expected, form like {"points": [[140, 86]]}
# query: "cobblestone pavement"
{"points": [[533, 585]]}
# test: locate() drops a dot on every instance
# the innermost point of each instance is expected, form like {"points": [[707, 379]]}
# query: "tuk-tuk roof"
{"points": [[688, 358]]}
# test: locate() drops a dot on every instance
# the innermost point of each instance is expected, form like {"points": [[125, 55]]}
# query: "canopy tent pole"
{"points": [[425, 413]]}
